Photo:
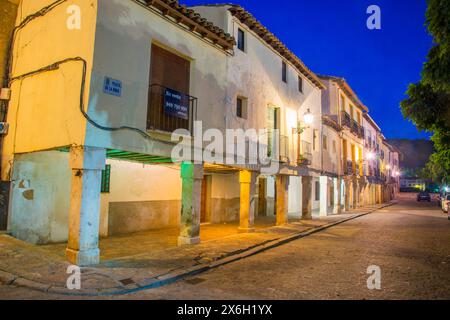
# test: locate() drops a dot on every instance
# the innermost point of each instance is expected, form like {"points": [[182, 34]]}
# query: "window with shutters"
{"points": [[170, 107], [272, 127], [300, 84], [316, 140], [284, 72], [241, 107], [317, 191], [241, 40]]}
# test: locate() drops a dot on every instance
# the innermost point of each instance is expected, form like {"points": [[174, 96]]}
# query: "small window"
{"points": [[315, 139], [241, 107], [325, 142], [284, 72], [317, 191], [241, 40], [342, 103], [106, 179], [300, 84]]}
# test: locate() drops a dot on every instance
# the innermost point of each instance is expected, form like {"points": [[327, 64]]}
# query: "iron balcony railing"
{"points": [[284, 148], [355, 127], [305, 158], [169, 110], [349, 167], [346, 120], [362, 133]]}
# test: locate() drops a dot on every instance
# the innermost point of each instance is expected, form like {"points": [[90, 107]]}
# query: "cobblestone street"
{"points": [[409, 241]]}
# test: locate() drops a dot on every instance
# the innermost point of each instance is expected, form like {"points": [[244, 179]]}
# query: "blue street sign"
{"points": [[112, 87]]}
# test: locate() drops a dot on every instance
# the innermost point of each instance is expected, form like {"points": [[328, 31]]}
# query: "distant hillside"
{"points": [[415, 153]]}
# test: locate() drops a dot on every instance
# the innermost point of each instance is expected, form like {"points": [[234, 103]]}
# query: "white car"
{"points": [[445, 203]]}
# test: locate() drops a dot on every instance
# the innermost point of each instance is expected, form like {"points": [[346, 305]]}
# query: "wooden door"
{"points": [[262, 203]]}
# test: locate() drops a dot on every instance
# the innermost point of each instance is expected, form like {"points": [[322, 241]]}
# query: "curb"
{"points": [[11, 279]]}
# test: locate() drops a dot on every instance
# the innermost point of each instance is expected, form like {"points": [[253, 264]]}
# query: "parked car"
{"points": [[424, 196], [445, 203]]}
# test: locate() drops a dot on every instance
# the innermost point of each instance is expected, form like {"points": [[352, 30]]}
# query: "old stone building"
{"points": [[93, 111]]}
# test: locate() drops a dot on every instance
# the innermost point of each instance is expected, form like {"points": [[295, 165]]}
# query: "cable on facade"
{"points": [[56, 66], [9, 57]]}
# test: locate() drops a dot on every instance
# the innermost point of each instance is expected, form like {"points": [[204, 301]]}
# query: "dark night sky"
{"points": [[331, 37]]}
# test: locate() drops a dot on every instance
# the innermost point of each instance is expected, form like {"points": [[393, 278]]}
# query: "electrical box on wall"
{"points": [[5, 94], [4, 126]]}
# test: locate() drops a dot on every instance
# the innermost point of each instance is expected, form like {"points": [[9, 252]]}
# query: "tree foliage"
{"points": [[428, 102]]}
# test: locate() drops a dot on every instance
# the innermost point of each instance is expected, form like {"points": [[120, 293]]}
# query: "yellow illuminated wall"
{"points": [[43, 112]]}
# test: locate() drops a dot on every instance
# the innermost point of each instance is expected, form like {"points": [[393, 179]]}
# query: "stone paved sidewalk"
{"points": [[39, 268]]}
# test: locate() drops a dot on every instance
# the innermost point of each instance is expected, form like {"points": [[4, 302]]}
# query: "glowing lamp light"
{"points": [[397, 174], [308, 117], [388, 167], [370, 156]]}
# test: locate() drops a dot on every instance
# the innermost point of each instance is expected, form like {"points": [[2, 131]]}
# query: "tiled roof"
{"points": [[372, 122], [347, 89], [247, 18], [194, 21]]}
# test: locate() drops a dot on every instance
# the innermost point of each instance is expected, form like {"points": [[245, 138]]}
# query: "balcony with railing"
{"points": [[362, 133], [346, 120], [169, 110], [284, 149], [349, 168], [355, 127], [305, 157]]}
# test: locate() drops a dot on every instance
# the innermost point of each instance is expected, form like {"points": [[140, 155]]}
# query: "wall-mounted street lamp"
{"points": [[308, 117], [370, 156], [388, 167], [397, 173]]}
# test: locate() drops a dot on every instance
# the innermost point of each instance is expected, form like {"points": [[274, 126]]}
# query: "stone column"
{"points": [[247, 181], [282, 185], [87, 164], [347, 185], [306, 198], [192, 177], [262, 202], [355, 193], [337, 209], [378, 194], [373, 191], [361, 195], [323, 196]]}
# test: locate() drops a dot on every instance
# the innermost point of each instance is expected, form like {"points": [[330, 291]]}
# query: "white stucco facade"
{"points": [[66, 128]]}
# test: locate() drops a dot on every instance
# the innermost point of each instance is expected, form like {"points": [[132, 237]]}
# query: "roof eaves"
{"points": [[248, 19], [347, 89], [372, 122], [194, 21]]}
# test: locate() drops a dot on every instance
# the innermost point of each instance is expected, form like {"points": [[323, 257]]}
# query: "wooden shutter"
{"points": [[168, 70]]}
